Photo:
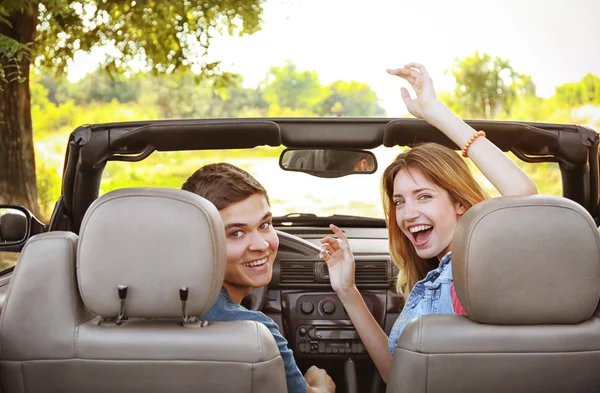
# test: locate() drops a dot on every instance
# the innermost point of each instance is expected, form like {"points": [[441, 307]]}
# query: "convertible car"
{"points": [[108, 253]]}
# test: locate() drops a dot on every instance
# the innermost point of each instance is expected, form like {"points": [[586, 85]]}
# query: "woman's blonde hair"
{"points": [[444, 168]]}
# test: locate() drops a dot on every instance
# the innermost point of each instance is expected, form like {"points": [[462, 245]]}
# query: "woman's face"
{"points": [[425, 213]]}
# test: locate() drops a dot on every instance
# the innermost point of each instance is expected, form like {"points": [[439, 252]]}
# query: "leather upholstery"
{"points": [[50, 342], [155, 241], [527, 260], [527, 271]]}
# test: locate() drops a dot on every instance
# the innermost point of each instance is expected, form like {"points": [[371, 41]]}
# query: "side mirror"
{"points": [[17, 225], [328, 162]]}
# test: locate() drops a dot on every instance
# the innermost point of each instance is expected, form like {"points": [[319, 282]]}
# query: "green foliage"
{"points": [[584, 92], [11, 54], [350, 99], [293, 93], [164, 35], [488, 87], [288, 88], [485, 85], [48, 187], [178, 96], [98, 86], [59, 106]]}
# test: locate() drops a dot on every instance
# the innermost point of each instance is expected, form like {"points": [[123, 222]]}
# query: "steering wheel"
{"points": [[256, 299]]}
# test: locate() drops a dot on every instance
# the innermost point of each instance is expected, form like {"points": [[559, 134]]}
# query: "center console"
{"points": [[320, 325]]}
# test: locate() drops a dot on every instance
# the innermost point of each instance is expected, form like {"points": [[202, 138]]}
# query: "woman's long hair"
{"points": [[444, 168]]}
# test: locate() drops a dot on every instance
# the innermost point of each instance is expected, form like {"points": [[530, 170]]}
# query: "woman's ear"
{"points": [[460, 208]]}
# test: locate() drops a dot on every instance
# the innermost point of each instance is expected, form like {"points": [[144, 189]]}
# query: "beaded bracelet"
{"points": [[470, 142]]}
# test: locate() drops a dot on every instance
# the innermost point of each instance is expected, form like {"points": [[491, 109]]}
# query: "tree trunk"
{"points": [[17, 159]]}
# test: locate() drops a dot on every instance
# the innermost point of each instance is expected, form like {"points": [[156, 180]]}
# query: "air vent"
{"points": [[371, 272], [297, 272]]}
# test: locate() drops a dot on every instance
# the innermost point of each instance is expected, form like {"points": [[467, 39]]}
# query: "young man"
{"points": [[251, 249]]}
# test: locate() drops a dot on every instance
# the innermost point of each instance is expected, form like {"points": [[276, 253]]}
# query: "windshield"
{"points": [[293, 192]]}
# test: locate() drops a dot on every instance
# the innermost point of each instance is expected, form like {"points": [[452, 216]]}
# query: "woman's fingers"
{"points": [[418, 66], [405, 95], [331, 242], [339, 233]]}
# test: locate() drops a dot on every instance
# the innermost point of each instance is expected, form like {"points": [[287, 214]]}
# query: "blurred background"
{"points": [[109, 61]]}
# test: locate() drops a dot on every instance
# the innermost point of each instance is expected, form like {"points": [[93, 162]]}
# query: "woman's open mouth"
{"points": [[421, 234]]}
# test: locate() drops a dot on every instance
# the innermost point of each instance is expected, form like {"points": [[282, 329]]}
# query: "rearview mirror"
{"points": [[17, 225], [328, 162]]}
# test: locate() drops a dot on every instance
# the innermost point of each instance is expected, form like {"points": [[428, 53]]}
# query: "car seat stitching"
{"points": [[74, 287], [23, 377], [260, 343], [420, 334]]}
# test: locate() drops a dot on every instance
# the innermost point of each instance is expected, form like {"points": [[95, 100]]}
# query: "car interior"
{"points": [[86, 311]]}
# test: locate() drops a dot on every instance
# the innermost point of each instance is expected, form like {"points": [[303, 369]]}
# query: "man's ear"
{"points": [[361, 166]]}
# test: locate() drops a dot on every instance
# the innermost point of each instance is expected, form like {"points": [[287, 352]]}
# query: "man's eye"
{"points": [[264, 225], [236, 234]]}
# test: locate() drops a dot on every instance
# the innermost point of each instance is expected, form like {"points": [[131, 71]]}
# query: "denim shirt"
{"points": [[431, 295], [226, 309]]}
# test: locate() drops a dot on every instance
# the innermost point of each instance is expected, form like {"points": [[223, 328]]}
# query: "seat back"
{"points": [[60, 330], [527, 271]]}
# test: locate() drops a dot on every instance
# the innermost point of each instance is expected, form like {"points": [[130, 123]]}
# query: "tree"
{"points": [[287, 88], [584, 92], [163, 35], [486, 85], [350, 99]]}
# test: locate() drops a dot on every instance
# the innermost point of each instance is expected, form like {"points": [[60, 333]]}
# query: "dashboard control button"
{"points": [[302, 331], [307, 307], [301, 347], [328, 307], [361, 348]]}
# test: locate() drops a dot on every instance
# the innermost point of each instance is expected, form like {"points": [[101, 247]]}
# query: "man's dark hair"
{"points": [[223, 184]]}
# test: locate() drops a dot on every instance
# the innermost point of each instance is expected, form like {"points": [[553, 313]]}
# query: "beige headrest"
{"points": [[527, 260], [155, 241]]}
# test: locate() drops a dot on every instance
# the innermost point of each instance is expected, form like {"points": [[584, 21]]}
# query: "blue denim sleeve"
{"points": [[295, 380]]}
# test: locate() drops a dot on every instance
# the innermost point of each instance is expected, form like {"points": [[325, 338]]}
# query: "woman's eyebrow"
{"points": [[418, 190]]}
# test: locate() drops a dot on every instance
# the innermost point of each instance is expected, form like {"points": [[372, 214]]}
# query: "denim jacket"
{"points": [[431, 295]]}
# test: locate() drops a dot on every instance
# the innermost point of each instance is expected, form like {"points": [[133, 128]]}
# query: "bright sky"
{"points": [[554, 41]]}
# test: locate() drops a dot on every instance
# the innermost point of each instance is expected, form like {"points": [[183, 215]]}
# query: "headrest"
{"points": [[13, 227], [155, 241], [524, 260]]}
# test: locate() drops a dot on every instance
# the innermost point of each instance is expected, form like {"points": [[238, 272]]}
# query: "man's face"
{"points": [[251, 245]]}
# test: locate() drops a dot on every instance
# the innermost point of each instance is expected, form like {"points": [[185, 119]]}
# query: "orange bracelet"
{"points": [[470, 142]]}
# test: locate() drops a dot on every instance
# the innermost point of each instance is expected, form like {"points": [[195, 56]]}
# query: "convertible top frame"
{"points": [[90, 147]]}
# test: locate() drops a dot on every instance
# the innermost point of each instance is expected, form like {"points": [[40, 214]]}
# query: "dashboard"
{"points": [[307, 310]]}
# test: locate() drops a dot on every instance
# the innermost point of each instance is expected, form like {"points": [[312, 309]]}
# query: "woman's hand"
{"points": [[340, 262], [421, 82]]}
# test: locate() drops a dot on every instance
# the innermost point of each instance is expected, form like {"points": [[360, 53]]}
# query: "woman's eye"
{"points": [[398, 203], [236, 234], [424, 196]]}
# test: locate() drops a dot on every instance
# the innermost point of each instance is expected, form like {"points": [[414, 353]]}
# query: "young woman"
{"points": [[425, 192]]}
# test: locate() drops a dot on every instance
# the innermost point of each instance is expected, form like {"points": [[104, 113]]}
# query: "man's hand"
{"points": [[318, 381]]}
